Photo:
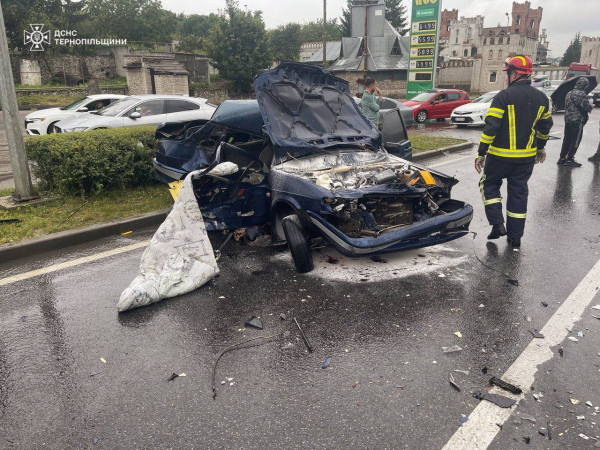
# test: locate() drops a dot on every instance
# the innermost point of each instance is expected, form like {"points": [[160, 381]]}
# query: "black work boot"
{"points": [[498, 230], [514, 242], [561, 161], [572, 163], [595, 157]]}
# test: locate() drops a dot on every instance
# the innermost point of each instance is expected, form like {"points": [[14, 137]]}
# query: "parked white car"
{"points": [[43, 121], [473, 114], [140, 110]]}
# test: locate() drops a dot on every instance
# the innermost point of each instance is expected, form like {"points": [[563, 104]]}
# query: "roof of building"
{"points": [[160, 65], [333, 52], [387, 52]]}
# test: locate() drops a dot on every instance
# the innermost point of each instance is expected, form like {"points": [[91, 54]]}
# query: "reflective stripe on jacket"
{"points": [[517, 123]]}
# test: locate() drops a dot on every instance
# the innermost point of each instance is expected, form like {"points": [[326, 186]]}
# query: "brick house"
{"points": [[156, 75]]}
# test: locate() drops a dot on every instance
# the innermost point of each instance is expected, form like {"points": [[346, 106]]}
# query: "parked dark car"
{"points": [[312, 165], [595, 96]]}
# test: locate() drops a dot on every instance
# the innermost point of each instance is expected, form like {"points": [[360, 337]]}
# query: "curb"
{"points": [[442, 151], [56, 241]]}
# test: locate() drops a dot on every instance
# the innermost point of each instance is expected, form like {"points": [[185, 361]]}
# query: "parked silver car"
{"points": [[140, 110]]}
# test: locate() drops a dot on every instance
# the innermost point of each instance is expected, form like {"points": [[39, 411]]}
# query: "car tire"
{"points": [[421, 116], [50, 129], [298, 243]]}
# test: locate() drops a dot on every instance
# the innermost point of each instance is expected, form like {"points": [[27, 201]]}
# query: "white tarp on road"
{"points": [[179, 258]]}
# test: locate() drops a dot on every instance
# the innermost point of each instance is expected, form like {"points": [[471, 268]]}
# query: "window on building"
{"points": [[590, 53], [466, 53], [473, 52], [517, 30], [493, 76], [491, 54], [499, 54], [501, 40], [519, 20], [456, 40], [448, 28], [484, 41], [532, 24], [396, 51], [492, 41], [454, 53], [508, 40]]}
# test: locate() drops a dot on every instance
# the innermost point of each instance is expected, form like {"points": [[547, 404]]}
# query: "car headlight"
{"points": [[37, 119], [70, 130]]}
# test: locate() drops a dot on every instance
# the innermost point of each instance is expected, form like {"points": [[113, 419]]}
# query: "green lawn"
{"points": [[425, 142], [73, 212], [50, 100]]}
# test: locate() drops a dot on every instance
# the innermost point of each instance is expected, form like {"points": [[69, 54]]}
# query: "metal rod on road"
{"points": [[18, 157]]}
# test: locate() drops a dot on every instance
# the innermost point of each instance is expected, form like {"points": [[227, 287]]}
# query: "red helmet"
{"points": [[519, 64]]}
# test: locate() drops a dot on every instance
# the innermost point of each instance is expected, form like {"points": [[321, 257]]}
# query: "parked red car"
{"points": [[436, 103]]}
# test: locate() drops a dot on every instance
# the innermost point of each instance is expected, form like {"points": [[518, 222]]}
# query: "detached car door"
{"points": [[395, 137], [149, 112]]}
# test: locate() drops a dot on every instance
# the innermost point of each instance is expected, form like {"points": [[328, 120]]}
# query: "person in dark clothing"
{"points": [[517, 127], [577, 109], [596, 156]]}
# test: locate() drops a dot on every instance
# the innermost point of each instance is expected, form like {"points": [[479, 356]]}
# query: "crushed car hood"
{"points": [[305, 108]]}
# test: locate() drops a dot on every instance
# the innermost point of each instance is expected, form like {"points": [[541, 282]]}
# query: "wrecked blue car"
{"points": [[309, 163]]}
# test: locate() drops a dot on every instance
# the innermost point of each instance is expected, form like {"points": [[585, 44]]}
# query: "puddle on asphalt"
{"points": [[331, 265]]}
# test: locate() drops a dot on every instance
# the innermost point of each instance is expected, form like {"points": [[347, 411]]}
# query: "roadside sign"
{"points": [[424, 37]]}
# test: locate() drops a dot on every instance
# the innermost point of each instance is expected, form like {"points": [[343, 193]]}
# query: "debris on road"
{"points": [[463, 420], [589, 403], [229, 349], [96, 440], [544, 304], [581, 417], [536, 334], [527, 440], [326, 363], [574, 401], [506, 386], [93, 374], [103, 360], [453, 383], [572, 338], [458, 334], [304, 338], [173, 376], [499, 400], [254, 322], [452, 349], [282, 316], [561, 352], [580, 334], [464, 372], [527, 417], [484, 370]]}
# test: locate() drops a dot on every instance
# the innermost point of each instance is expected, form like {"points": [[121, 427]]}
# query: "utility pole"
{"points": [[10, 111], [325, 33], [365, 41]]}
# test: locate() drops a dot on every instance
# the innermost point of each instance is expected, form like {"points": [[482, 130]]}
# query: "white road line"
{"points": [[75, 262], [481, 428], [452, 160]]}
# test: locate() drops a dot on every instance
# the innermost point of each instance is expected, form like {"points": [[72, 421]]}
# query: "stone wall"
{"points": [[218, 96], [455, 75], [138, 81], [171, 84]]}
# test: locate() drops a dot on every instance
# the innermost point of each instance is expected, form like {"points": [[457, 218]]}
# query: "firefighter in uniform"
{"points": [[517, 127]]}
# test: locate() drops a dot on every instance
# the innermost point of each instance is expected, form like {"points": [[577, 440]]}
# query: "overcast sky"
{"points": [[561, 18]]}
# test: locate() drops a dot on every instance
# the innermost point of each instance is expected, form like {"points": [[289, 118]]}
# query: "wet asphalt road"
{"points": [[383, 324]]}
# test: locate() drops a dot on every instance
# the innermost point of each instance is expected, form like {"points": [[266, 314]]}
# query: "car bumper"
{"points": [[36, 128], [469, 119], [429, 232], [166, 174]]}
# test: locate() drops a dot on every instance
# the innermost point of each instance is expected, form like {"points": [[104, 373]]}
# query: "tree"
{"points": [[395, 14], [193, 30], [239, 45], [286, 42], [313, 31], [573, 52]]}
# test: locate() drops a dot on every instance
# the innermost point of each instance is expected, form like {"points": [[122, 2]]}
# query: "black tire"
{"points": [[421, 116], [298, 243], [50, 129]]}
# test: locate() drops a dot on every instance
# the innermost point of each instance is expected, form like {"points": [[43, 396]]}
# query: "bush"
{"points": [[88, 162]]}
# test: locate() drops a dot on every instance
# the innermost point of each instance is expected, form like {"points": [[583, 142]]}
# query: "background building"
{"points": [[590, 51]]}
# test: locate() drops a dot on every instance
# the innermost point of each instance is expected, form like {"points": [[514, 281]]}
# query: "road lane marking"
{"points": [[481, 428], [452, 160], [73, 263]]}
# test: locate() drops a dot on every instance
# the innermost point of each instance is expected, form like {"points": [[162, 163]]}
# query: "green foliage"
{"points": [[573, 52], [286, 42], [313, 31], [89, 162], [395, 14], [239, 46], [193, 30]]}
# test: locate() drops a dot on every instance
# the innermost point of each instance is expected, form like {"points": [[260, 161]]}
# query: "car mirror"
{"points": [[435, 102], [135, 115], [82, 109]]}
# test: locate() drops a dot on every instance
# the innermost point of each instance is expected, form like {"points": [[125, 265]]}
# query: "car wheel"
{"points": [[421, 116], [298, 243], [51, 127]]}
